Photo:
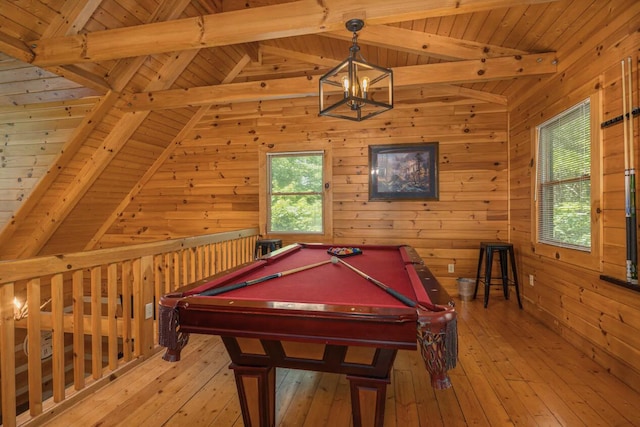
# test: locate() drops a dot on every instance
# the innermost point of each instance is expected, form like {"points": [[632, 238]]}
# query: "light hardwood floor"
{"points": [[511, 371]]}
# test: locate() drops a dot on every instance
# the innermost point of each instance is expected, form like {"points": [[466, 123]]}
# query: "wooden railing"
{"points": [[99, 306]]}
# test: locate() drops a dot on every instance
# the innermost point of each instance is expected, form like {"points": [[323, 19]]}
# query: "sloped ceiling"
{"points": [[94, 93]]}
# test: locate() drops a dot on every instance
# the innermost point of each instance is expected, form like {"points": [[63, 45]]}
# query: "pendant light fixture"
{"points": [[356, 90]]}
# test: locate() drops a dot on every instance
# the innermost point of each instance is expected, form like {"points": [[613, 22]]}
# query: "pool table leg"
{"points": [[257, 392], [368, 400]]}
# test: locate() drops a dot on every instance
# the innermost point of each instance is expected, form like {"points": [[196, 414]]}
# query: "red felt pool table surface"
{"points": [[329, 284]]}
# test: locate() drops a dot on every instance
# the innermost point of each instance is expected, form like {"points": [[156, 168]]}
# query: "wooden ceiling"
{"points": [[71, 70]]}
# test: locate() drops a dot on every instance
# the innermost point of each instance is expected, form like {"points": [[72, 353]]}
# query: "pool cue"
{"points": [[227, 288], [633, 240], [631, 265], [399, 296]]}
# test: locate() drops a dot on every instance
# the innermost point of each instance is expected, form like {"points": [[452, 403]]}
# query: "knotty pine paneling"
{"points": [[32, 138], [118, 178], [599, 318], [210, 182], [57, 190]]}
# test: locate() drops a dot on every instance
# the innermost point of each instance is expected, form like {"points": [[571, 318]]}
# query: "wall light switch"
{"points": [[531, 279], [451, 268]]}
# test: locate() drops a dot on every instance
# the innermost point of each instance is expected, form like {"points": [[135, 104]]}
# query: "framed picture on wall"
{"points": [[403, 171]]}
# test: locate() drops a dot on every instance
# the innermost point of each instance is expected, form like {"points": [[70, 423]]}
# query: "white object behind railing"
{"points": [[63, 293]]}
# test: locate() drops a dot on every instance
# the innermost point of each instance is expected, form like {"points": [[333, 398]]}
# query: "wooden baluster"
{"points": [[96, 322], [112, 324], [57, 313], [127, 336], [78, 329], [34, 362]]}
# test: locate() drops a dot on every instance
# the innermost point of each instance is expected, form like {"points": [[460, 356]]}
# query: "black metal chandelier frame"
{"points": [[358, 82]]}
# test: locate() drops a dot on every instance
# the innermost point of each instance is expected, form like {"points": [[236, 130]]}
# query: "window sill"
{"points": [[588, 260]]}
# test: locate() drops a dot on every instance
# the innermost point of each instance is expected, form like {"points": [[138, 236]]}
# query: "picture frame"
{"points": [[403, 171]]}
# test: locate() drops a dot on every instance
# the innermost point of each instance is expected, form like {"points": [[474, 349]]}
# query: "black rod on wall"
{"points": [[635, 112]]}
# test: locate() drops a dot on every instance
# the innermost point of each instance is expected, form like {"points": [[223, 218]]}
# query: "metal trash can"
{"points": [[466, 287]]}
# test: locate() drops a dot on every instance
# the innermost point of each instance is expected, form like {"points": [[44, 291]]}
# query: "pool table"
{"points": [[324, 313]]}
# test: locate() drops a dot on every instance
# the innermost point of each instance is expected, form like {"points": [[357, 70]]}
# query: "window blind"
{"points": [[564, 179]]}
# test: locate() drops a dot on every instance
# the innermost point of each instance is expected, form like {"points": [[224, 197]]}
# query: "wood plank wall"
{"points": [[599, 318], [211, 182], [121, 175], [36, 118]]}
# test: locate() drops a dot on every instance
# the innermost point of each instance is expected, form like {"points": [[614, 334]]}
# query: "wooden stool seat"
{"points": [[505, 250], [265, 246]]}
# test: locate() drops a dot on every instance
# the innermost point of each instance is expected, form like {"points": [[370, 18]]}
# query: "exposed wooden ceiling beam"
{"points": [[72, 18], [474, 71], [124, 70], [297, 87], [420, 43], [237, 69], [15, 48], [241, 26], [299, 56], [453, 90], [82, 77]]}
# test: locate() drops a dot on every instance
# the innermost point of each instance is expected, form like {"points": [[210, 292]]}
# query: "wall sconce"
{"points": [[21, 311]]}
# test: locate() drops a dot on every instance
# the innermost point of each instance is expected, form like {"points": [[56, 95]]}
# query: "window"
{"points": [[564, 179], [295, 197]]}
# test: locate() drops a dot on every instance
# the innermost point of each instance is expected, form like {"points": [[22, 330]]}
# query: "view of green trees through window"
{"points": [[564, 179], [295, 196]]}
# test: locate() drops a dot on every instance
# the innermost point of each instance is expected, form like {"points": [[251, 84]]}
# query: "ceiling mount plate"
{"points": [[354, 25]]}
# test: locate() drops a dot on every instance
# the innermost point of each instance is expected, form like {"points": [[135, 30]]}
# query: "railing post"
{"points": [[142, 296], [178, 262], [7, 358]]}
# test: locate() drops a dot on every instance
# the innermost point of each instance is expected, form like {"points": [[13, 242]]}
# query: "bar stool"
{"points": [[504, 250], [265, 246]]}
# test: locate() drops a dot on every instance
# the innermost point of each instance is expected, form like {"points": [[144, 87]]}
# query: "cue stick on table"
{"points": [[223, 289], [425, 336], [399, 296]]}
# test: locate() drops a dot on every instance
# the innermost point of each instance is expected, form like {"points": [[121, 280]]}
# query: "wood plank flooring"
{"points": [[511, 371]]}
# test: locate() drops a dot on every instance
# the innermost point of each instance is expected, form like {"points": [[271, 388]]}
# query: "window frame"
{"points": [[264, 193], [591, 259]]}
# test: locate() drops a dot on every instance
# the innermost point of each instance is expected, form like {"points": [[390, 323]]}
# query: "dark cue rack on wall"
{"points": [[620, 282], [635, 112]]}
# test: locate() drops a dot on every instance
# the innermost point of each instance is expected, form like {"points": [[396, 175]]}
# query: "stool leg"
{"points": [[515, 275], [487, 276], [475, 292], [504, 270]]}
